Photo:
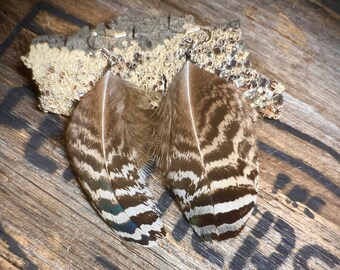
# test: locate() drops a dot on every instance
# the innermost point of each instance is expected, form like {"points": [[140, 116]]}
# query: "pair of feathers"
{"points": [[201, 142]]}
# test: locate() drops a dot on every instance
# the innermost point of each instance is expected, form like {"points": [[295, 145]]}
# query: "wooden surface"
{"points": [[45, 221]]}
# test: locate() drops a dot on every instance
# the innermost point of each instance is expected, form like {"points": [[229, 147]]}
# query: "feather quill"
{"points": [[207, 152], [106, 142]]}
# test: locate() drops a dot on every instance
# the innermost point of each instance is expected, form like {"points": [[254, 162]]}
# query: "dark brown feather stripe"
{"points": [[220, 218]]}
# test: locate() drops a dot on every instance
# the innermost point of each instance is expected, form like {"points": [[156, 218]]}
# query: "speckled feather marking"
{"points": [[105, 141], [208, 153]]}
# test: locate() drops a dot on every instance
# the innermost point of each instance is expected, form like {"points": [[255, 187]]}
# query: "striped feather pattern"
{"points": [[207, 152], [106, 139]]}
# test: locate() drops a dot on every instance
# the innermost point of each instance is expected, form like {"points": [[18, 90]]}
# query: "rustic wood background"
{"points": [[45, 221]]}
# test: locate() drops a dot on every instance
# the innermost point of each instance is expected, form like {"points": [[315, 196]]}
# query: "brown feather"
{"points": [[207, 152], [106, 139]]}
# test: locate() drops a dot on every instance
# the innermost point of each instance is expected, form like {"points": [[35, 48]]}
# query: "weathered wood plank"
{"points": [[45, 221]]}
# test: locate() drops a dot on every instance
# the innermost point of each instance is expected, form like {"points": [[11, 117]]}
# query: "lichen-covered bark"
{"points": [[147, 53]]}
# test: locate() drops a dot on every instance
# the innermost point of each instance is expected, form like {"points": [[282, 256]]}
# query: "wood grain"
{"points": [[45, 221]]}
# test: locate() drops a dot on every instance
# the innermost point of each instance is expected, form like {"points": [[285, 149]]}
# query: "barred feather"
{"points": [[207, 152], [106, 139]]}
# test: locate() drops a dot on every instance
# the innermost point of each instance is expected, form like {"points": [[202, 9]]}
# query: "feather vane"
{"points": [[106, 139], [207, 152]]}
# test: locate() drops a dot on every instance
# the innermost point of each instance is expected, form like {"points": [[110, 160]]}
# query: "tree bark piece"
{"points": [[147, 53]]}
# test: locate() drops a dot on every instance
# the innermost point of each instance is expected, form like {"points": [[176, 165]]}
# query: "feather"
{"points": [[207, 152], [106, 138]]}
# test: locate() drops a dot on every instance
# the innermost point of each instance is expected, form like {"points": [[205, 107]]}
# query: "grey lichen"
{"points": [[65, 68]]}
